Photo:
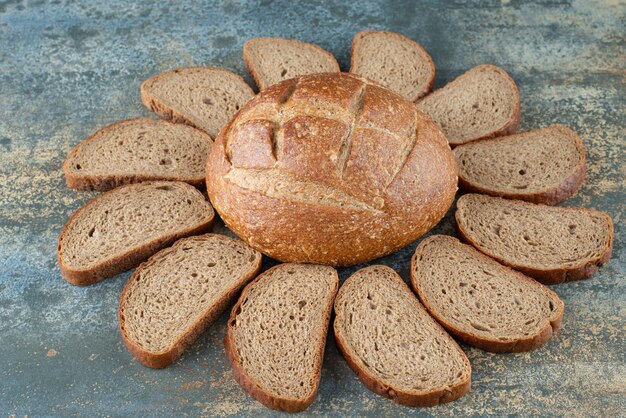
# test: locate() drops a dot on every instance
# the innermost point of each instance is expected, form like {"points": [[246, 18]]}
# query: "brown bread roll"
{"points": [[330, 168]]}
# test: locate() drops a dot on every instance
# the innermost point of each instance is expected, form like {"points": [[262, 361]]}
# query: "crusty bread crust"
{"points": [[344, 235], [433, 398], [509, 127], [248, 383], [360, 35], [166, 112], [551, 196], [252, 70], [102, 183], [107, 182], [167, 357], [584, 270], [493, 345], [124, 261]]}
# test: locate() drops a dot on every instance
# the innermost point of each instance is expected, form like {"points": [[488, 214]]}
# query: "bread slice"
{"points": [[481, 103], [550, 243], [394, 61], [136, 150], [393, 345], [199, 96], [480, 301], [542, 166], [123, 227], [277, 332], [172, 298], [272, 60]]}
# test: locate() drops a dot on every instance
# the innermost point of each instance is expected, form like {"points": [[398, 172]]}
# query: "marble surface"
{"points": [[68, 68]]}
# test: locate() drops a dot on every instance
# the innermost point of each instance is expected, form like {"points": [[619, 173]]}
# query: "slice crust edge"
{"points": [[493, 345], [550, 196], [425, 399], [252, 69], [431, 81], [165, 358], [253, 388], [128, 260], [584, 270]]}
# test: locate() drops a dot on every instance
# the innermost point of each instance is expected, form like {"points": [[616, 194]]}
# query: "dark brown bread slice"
{"points": [[393, 345], [277, 332], [393, 60], [481, 103], [480, 301], [542, 166], [172, 298], [272, 60], [136, 150], [553, 244], [123, 227], [199, 96]]}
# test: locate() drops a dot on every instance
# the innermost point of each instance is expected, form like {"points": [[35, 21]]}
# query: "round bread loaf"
{"points": [[330, 168]]}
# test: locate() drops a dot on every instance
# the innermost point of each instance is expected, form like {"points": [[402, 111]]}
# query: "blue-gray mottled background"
{"points": [[68, 68]]}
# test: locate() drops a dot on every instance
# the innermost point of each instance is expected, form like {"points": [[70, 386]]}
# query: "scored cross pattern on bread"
{"points": [[329, 141], [343, 144], [335, 140]]}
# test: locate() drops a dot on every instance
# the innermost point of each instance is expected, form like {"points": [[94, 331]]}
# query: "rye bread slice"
{"points": [[553, 244], [136, 150], [203, 97], [123, 227], [394, 61], [481, 103], [272, 60], [480, 301], [393, 345], [172, 298], [276, 334], [542, 166]]}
